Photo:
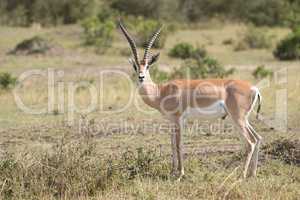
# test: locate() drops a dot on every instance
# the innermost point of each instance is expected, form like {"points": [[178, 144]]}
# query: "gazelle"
{"points": [[209, 98]]}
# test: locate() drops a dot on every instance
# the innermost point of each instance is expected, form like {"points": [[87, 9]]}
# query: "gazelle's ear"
{"points": [[153, 59], [132, 62]]}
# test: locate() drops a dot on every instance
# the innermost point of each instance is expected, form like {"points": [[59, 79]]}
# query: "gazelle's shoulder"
{"points": [[239, 86], [238, 83]]}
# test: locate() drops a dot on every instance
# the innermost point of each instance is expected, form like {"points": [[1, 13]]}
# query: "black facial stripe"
{"points": [[135, 67], [133, 63]]}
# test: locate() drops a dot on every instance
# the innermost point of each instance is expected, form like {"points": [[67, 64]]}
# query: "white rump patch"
{"points": [[254, 88], [215, 110]]}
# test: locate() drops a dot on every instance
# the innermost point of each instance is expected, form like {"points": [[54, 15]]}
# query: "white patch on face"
{"points": [[143, 74], [215, 110]]}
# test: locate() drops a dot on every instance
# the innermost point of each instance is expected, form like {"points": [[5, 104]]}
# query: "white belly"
{"points": [[215, 110]]}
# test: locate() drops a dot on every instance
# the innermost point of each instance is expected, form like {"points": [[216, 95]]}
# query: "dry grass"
{"points": [[75, 169]]}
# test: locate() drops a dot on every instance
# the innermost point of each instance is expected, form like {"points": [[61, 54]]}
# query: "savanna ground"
{"points": [[119, 155]]}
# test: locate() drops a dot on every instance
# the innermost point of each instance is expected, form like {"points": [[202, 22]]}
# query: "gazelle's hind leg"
{"points": [[250, 141], [253, 165], [239, 118], [238, 107]]}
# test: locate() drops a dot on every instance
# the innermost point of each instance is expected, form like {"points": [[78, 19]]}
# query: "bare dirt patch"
{"points": [[284, 149]]}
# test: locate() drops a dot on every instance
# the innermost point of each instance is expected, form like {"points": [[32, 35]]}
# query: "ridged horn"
{"points": [[130, 41], [151, 42]]}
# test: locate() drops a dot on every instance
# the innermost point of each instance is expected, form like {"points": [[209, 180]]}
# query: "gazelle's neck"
{"points": [[149, 91]]}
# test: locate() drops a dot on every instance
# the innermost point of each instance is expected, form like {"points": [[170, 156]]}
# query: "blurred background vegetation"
{"points": [[98, 17], [53, 12]]}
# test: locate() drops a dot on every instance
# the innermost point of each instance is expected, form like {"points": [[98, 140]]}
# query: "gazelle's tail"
{"points": [[257, 98], [259, 104]]}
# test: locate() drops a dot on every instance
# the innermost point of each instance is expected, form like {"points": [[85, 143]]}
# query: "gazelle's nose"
{"points": [[141, 77]]}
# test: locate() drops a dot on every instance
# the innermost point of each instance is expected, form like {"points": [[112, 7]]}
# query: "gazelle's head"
{"points": [[142, 66]]}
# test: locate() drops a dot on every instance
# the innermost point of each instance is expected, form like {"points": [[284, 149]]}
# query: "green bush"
{"points": [[6, 80], [185, 50], [261, 72], [254, 38], [201, 68], [197, 64], [98, 31], [289, 47], [158, 75], [199, 53], [182, 50]]}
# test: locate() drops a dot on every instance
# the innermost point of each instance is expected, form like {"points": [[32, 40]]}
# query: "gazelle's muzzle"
{"points": [[141, 77]]}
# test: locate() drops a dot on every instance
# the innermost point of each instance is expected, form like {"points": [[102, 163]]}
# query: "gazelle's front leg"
{"points": [[251, 143], [178, 129], [174, 153]]}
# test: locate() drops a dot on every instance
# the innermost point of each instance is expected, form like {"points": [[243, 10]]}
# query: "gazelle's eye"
{"points": [[134, 67]]}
